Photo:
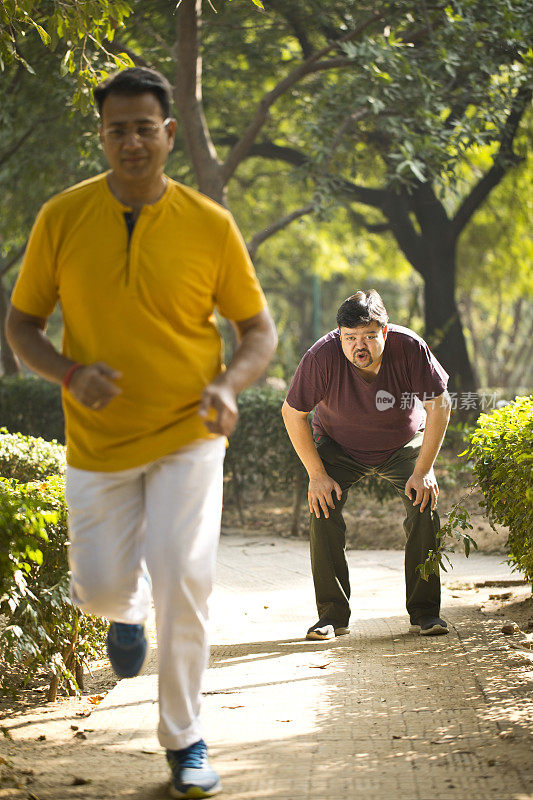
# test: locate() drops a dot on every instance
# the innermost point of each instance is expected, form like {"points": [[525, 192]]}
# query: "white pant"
{"points": [[164, 518]]}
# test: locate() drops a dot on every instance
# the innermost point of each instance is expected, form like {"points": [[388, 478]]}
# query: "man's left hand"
{"points": [[425, 487], [220, 398]]}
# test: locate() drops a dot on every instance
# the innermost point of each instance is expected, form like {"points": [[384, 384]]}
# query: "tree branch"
{"points": [[503, 161], [358, 221], [401, 226], [272, 229], [116, 46], [311, 65], [267, 149], [377, 198], [188, 98], [352, 191], [429, 210], [291, 14]]}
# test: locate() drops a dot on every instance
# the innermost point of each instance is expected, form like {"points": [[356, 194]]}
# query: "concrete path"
{"points": [[378, 714]]}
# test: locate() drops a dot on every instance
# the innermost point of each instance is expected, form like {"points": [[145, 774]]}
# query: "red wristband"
{"points": [[70, 372]]}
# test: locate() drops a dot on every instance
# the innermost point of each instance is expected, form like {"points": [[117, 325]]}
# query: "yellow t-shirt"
{"points": [[144, 305]]}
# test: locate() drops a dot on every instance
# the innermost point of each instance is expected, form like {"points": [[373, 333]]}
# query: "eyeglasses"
{"points": [[144, 130]]}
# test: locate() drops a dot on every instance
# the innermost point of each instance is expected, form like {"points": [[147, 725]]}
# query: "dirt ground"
{"points": [[370, 525]]}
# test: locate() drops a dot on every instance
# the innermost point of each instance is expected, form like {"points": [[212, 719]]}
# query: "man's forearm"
{"points": [[252, 356], [302, 440], [436, 424], [257, 344], [29, 341]]}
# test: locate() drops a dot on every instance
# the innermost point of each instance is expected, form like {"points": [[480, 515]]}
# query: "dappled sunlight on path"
{"points": [[376, 714]]}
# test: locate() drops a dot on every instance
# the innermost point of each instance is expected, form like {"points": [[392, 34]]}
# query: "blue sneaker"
{"points": [[191, 774], [127, 648]]}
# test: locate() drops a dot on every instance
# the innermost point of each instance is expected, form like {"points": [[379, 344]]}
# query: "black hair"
{"points": [[362, 308], [134, 81]]}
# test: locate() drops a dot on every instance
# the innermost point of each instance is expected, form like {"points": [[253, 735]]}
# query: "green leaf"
{"points": [[417, 172], [65, 62], [45, 37]]}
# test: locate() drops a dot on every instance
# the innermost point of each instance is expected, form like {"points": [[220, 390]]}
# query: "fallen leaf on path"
{"points": [[95, 699]]}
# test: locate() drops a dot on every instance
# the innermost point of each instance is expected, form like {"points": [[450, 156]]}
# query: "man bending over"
{"points": [[381, 408]]}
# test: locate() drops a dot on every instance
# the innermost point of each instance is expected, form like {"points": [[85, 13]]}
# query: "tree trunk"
{"points": [[10, 363], [444, 330], [188, 99], [430, 246], [300, 486]]}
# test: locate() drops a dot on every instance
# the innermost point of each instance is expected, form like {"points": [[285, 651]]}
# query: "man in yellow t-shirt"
{"points": [[139, 263]]}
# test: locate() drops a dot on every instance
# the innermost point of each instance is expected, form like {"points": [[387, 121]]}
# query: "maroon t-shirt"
{"points": [[369, 420]]}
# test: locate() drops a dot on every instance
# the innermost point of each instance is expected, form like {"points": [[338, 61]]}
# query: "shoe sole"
{"points": [[194, 792], [319, 637], [436, 630], [143, 665]]}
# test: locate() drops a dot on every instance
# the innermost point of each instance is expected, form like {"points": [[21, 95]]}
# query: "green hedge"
{"points": [[260, 453], [32, 406], [41, 629], [27, 458], [501, 449]]}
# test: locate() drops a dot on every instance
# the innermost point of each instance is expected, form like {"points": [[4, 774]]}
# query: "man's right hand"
{"points": [[320, 494], [93, 385]]}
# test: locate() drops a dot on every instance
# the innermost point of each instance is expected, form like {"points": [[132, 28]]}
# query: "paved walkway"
{"points": [[379, 713]]}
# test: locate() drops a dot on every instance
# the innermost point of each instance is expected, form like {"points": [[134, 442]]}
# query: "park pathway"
{"points": [[380, 714]]}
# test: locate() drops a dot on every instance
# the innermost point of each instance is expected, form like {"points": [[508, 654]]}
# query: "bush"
{"points": [[41, 627], [27, 458], [32, 406], [501, 448], [260, 452]]}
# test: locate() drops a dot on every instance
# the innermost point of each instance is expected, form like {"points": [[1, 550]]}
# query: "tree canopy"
{"points": [[350, 140]]}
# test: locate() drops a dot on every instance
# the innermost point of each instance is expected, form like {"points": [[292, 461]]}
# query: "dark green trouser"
{"points": [[328, 540]]}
